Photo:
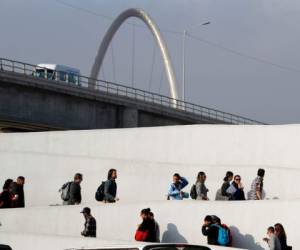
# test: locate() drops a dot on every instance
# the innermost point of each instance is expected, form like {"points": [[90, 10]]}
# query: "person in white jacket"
{"points": [[273, 241]]}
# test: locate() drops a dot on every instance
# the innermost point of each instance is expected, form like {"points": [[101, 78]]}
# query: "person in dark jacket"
{"points": [[6, 197], [281, 235], [90, 226], [237, 189], [227, 179], [211, 231], [18, 191], [75, 191], [110, 187], [148, 225]]}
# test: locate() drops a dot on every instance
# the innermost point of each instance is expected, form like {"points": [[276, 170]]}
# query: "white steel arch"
{"points": [[142, 15]]}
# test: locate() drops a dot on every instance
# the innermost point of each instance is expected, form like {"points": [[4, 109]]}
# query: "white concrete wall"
{"points": [[180, 221], [146, 159], [23, 241]]}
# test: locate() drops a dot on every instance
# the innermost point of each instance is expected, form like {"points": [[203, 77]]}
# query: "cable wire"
{"points": [[237, 53]]}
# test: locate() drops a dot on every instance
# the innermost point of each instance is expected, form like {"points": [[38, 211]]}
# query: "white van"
{"points": [[58, 72]]}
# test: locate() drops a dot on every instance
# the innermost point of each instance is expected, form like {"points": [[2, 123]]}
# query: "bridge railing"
{"points": [[110, 88]]}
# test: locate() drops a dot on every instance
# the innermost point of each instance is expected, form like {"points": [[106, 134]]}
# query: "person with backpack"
{"points": [[256, 192], [222, 192], [201, 190], [90, 226], [146, 230], [210, 231], [224, 234], [175, 190], [71, 191], [110, 187], [7, 198], [107, 191], [18, 191]]}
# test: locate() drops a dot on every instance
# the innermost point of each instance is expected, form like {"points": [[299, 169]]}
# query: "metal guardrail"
{"points": [[109, 88]]}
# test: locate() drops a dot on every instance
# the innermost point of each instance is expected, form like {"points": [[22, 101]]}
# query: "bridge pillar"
{"points": [[130, 118]]}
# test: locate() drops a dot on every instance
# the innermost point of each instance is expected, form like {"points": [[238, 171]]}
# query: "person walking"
{"points": [[236, 189], [90, 226], [256, 192], [222, 193], [273, 241], [146, 230], [18, 192], [110, 187], [74, 191], [157, 228], [210, 231], [281, 235], [201, 189], [6, 197], [175, 190]]}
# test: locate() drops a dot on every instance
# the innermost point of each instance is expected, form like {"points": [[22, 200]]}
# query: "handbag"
{"points": [[141, 235]]}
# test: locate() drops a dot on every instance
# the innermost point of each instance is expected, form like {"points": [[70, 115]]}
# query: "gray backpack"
{"points": [[65, 191]]}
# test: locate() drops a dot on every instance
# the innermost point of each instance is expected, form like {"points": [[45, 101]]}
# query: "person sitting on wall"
{"points": [[175, 190], [90, 227]]}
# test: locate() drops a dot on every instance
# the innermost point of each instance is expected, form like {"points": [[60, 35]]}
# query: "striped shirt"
{"points": [[256, 186]]}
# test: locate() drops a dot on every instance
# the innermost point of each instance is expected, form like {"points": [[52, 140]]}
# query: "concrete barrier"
{"points": [[147, 158], [180, 221]]}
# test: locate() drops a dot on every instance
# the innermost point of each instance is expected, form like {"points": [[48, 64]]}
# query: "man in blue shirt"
{"points": [[178, 184]]}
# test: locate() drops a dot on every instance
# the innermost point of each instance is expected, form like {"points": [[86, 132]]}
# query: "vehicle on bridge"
{"points": [[58, 72]]}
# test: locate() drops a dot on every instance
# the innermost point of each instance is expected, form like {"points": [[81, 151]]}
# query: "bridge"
{"points": [[31, 103]]}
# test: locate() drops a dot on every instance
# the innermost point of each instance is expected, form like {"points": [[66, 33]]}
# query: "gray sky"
{"points": [[36, 31]]}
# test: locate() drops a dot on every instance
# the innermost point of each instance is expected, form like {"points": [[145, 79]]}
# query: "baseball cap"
{"points": [[86, 210]]}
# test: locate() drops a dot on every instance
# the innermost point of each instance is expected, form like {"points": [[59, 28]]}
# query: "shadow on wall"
{"points": [[172, 235], [244, 241]]}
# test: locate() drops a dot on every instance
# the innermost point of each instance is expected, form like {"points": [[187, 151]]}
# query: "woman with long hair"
{"points": [[146, 230], [110, 187], [7, 197], [201, 189], [281, 235]]}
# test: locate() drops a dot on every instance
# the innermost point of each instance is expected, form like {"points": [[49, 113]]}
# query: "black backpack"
{"points": [[193, 192], [99, 195]]}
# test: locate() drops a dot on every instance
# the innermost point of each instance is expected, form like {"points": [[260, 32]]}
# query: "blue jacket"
{"points": [[174, 192]]}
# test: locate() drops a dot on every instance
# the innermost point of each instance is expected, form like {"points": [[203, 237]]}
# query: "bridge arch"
{"points": [[142, 15]]}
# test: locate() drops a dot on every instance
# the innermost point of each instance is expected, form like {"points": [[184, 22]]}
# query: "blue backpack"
{"points": [[223, 236]]}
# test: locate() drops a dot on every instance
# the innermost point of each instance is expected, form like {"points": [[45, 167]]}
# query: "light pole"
{"points": [[183, 55]]}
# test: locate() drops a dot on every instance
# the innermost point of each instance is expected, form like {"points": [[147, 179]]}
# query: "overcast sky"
{"points": [[246, 61]]}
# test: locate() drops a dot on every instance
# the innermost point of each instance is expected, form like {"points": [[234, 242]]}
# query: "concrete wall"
{"points": [[180, 221], [151, 155], [146, 158]]}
